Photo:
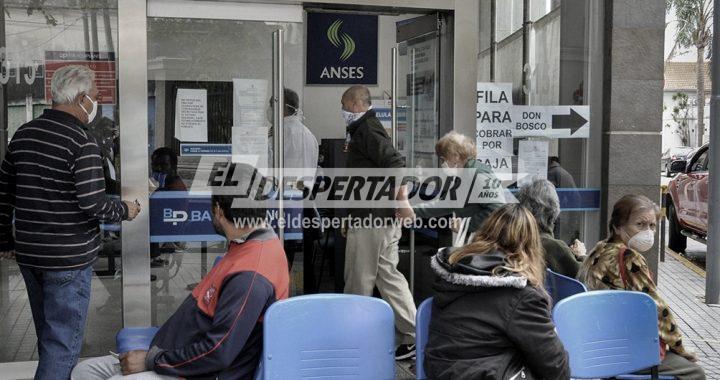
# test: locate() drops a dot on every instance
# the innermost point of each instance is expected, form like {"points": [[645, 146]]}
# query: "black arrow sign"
{"points": [[574, 121]]}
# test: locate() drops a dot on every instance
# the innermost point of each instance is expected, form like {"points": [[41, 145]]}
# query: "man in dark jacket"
{"points": [[52, 184], [217, 331], [371, 254]]}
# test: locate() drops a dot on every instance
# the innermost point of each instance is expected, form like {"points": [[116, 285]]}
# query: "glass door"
{"points": [[214, 88], [37, 39], [416, 78]]}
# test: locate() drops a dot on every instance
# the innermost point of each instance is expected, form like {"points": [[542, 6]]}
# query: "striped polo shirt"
{"points": [[52, 178]]}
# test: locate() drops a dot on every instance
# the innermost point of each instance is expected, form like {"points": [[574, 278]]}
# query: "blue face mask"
{"points": [[160, 178]]}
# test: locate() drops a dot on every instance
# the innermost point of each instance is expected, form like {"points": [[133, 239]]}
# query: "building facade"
{"points": [[593, 67]]}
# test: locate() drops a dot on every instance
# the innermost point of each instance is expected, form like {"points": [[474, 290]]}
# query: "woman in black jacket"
{"points": [[491, 316]]}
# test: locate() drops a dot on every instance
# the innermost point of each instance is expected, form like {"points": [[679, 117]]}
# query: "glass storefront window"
{"points": [[549, 63], [37, 38], [508, 17], [212, 63]]}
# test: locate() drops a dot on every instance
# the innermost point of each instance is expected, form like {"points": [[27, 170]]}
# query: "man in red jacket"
{"points": [[217, 331]]}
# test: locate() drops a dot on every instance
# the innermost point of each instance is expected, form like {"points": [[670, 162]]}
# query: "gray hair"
{"points": [[358, 93], [456, 145], [542, 200], [69, 82]]}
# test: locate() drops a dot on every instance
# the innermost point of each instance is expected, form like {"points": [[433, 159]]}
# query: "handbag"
{"points": [[623, 276]]}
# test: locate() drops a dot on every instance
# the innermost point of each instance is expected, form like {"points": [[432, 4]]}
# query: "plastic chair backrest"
{"points": [[422, 329], [560, 287], [329, 336], [608, 332], [135, 338]]}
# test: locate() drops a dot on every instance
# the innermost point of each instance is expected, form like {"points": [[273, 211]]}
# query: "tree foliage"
{"points": [[681, 115], [694, 18]]}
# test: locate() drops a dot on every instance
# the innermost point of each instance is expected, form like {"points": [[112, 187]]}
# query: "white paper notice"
{"points": [[191, 115], [532, 161], [250, 146], [250, 102]]}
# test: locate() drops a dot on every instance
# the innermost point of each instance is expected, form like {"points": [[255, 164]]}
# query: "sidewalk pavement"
{"points": [[684, 290]]}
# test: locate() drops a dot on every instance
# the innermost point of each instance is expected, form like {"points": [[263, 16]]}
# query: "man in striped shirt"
{"points": [[52, 183]]}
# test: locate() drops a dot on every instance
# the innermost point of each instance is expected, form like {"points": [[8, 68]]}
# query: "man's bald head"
{"points": [[356, 99]]}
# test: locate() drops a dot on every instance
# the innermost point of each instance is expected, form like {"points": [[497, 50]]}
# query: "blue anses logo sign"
{"points": [[341, 48]]}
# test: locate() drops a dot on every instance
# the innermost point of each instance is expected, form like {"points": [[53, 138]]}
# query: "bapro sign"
{"points": [[341, 48], [180, 216]]}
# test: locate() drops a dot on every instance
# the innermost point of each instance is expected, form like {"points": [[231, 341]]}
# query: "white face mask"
{"points": [[642, 241], [93, 113], [350, 117]]}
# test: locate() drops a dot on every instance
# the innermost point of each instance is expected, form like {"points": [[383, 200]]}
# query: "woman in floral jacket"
{"points": [[617, 263]]}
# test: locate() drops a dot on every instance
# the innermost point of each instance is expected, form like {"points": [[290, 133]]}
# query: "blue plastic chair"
{"points": [[560, 287], [422, 329], [609, 333], [329, 336]]}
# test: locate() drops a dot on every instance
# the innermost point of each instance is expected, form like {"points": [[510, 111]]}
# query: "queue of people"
{"points": [[491, 318]]}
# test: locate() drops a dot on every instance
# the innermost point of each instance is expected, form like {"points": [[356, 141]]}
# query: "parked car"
{"points": [[674, 154], [687, 200]]}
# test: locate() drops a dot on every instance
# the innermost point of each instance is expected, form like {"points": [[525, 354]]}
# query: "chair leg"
{"points": [[654, 373], [323, 259]]}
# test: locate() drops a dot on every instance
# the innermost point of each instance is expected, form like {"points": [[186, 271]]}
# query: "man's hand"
{"points": [[133, 362], [578, 248], [405, 213], [9, 255], [133, 209]]}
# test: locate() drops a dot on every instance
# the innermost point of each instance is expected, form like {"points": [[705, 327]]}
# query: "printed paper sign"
{"points": [[191, 115], [532, 161], [495, 108], [250, 103], [250, 146]]}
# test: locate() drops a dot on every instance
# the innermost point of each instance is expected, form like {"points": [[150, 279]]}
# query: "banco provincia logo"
{"points": [[338, 38]]}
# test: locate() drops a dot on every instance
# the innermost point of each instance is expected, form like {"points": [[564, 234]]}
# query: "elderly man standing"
{"points": [[52, 178], [371, 254]]}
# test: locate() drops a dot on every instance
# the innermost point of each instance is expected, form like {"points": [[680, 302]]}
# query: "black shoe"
{"points": [[405, 351]]}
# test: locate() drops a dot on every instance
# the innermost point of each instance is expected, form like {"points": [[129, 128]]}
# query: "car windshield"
{"points": [[680, 151]]}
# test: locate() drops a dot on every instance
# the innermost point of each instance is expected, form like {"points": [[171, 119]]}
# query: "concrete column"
{"points": [[633, 90], [466, 46]]}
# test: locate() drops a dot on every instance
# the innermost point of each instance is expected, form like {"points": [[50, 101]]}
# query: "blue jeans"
{"points": [[59, 301]]}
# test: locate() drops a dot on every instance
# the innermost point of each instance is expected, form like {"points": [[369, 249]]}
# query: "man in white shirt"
{"points": [[301, 151], [300, 145]]}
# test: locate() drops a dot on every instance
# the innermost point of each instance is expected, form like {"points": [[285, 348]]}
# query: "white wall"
{"points": [[321, 104]]}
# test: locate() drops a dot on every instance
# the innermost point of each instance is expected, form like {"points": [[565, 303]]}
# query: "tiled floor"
{"points": [[684, 290]]}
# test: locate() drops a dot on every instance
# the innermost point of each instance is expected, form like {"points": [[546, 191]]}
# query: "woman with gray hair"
{"points": [[542, 200], [457, 152]]}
